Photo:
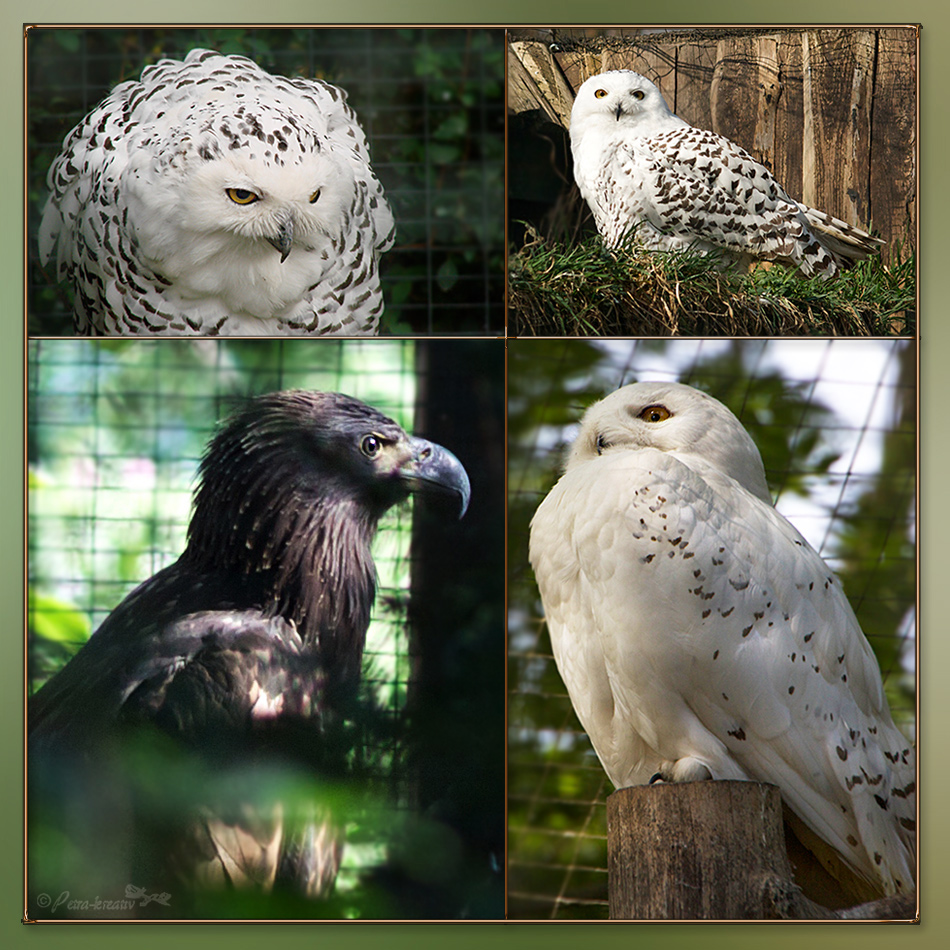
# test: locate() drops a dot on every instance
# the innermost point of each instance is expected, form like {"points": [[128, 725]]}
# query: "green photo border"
{"points": [[934, 626]]}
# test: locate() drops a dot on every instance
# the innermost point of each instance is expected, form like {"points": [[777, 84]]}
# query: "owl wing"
{"points": [[700, 187], [699, 635], [91, 156]]}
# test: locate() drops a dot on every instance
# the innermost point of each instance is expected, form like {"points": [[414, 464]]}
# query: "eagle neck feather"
{"points": [[303, 545]]}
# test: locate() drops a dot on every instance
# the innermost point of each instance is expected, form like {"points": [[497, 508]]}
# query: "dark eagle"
{"points": [[245, 652]]}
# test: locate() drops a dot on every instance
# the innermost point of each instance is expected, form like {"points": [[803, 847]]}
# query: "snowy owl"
{"points": [[210, 197], [643, 170], [701, 637]]}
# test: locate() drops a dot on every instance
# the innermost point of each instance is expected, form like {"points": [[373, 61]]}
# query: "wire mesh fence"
{"points": [[115, 435], [835, 422], [115, 432], [429, 100]]}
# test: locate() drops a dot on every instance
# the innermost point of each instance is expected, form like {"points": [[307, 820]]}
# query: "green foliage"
{"points": [[583, 289], [547, 388], [167, 785], [878, 557], [57, 632], [58, 621]]}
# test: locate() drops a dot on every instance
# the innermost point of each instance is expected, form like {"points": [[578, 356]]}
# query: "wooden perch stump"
{"points": [[712, 851], [696, 851]]}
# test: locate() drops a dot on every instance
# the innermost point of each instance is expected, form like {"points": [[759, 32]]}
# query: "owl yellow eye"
{"points": [[654, 414], [600, 93], [314, 196], [638, 94], [241, 196]]}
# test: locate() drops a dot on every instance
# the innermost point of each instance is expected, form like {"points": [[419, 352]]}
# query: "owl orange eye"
{"points": [[241, 196], [654, 414], [638, 94], [600, 93]]}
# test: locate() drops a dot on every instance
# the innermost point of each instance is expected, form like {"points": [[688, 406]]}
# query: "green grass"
{"points": [[585, 290]]}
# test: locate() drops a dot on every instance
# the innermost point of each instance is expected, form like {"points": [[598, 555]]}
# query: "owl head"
{"points": [[620, 99], [277, 208], [674, 418], [251, 208]]}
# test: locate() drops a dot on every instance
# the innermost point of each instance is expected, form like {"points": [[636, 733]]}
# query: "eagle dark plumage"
{"points": [[248, 646]]}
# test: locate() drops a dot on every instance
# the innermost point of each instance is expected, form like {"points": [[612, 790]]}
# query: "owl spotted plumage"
{"points": [[646, 172], [210, 197], [701, 637]]}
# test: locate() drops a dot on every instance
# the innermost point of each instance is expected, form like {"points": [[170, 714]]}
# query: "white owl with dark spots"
{"points": [[649, 175], [210, 197], [701, 637]]}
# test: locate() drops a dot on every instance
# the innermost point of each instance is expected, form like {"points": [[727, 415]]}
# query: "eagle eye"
{"points": [[654, 414], [638, 94], [600, 93], [241, 196], [370, 446]]}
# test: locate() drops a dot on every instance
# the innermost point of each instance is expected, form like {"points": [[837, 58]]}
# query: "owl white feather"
{"points": [[645, 172], [700, 636], [210, 197]]}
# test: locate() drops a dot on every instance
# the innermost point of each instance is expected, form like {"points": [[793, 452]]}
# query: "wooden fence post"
{"points": [[697, 851]]}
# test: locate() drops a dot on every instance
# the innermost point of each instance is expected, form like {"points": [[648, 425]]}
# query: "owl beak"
{"points": [[284, 239], [618, 112]]}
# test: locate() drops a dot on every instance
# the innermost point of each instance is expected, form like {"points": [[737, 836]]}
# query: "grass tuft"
{"points": [[586, 290]]}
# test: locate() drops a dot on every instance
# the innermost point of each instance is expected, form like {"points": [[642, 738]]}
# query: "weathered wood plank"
{"points": [[695, 63], [535, 81], [836, 68], [893, 139], [789, 117], [744, 94]]}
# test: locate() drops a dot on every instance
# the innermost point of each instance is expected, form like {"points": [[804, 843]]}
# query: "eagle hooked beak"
{"points": [[433, 468], [284, 239]]}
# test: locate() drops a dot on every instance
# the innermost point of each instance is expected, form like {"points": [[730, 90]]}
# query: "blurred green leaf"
{"points": [[58, 621]]}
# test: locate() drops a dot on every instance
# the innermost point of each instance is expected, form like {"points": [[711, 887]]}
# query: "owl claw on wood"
{"points": [[210, 197]]}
